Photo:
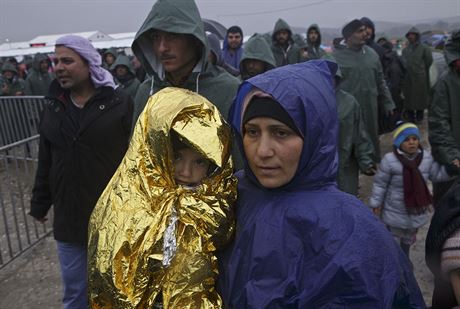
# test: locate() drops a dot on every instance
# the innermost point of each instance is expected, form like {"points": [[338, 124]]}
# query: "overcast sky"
{"points": [[22, 20]]}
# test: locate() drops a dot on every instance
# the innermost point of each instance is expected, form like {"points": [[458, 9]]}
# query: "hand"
{"points": [[456, 162], [377, 211], [42, 220], [370, 171], [389, 113], [5, 89]]}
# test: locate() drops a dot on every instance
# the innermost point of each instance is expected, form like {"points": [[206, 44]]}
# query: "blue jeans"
{"points": [[72, 259]]}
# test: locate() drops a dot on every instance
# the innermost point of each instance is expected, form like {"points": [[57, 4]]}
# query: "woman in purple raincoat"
{"points": [[300, 242]]}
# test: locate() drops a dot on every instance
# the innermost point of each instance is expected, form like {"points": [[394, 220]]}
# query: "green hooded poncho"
{"points": [[313, 50], [444, 110], [363, 78], [257, 48], [212, 82], [292, 53], [129, 86], [416, 86], [37, 82]]}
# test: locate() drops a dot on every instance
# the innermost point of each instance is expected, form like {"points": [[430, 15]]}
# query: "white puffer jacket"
{"points": [[388, 189]]}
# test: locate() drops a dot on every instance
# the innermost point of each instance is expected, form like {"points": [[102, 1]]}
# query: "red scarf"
{"points": [[417, 197]]}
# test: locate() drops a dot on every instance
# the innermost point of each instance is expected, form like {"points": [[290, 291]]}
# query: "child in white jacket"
{"points": [[400, 185]]}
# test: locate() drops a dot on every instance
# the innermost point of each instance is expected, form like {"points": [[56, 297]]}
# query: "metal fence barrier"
{"points": [[19, 117]]}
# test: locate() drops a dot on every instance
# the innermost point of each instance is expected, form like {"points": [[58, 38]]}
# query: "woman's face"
{"points": [[273, 151]]}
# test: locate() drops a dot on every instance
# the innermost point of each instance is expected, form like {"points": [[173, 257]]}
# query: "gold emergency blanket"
{"points": [[127, 226]]}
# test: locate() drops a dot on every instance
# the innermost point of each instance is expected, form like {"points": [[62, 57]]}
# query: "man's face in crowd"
{"points": [[282, 37], [412, 37], [175, 51], [253, 67], [369, 32], [234, 40], [109, 59], [71, 70], [44, 66], [121, 70], [358, 38], [8, 74], [313, 35]]}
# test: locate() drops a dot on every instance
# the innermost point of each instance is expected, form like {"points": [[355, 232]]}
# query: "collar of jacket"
{"points": [[57, 93]]}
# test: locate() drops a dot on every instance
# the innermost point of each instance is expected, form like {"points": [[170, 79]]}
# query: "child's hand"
{"points": [[377, 211]]}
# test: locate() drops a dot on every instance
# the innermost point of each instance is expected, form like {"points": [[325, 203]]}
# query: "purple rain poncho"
{"points": [[83, 47], [307, 244]]}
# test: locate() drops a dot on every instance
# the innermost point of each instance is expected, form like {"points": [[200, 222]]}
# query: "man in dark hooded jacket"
{"points": [[312, 49], [444, 114], [183, 63], [10, 83], [39, 78], [257, 57], [109, 57], [418, 59], [370, 41], [125, 76], [283, 47]]}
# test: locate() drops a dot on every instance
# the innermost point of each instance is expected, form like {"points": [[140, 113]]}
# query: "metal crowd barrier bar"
{"points": [[19, 117], [18, 230]]}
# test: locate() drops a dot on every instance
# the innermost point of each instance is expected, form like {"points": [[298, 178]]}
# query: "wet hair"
{"points": [[235, 29]]}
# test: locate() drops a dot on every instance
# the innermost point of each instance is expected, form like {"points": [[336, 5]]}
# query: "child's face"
{"points": [[410, 145], [190, 168]]}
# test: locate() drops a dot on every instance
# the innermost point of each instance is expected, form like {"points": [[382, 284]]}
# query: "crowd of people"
{"points": [[198, 176]]}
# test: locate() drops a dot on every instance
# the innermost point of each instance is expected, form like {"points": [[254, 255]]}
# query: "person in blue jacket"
{"points": [[300, 242]]}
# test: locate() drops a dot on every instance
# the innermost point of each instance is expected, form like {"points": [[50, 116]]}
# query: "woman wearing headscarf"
{"points": [[300, 242], [152, 239]]}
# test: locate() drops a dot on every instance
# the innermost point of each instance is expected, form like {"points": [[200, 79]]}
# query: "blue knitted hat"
{"points": [[404, 131]]}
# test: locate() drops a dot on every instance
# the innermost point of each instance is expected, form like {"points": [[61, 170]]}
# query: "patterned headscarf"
{"points": [[83, 47]]}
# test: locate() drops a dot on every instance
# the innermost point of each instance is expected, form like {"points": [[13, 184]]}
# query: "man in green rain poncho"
{"points": [[363, 78], [283, 46], [257, 57], [171, 46]]}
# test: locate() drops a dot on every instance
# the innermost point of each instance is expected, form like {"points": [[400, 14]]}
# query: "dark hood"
{"points": [[414, 30], [112, 51], [369, 23], [314, 27], [176, 16], [39, 58], [281, 25], [8, 66], [306, 92], [123, 60], [452, 47], [258, 48], [214, 46]]}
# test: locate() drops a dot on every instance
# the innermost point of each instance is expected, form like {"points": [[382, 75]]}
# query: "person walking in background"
{"points": [[418, 59], [215, 55], [312, 49], [355, 147], [39, 78], [125, 76], [283, 47], [400, 186], [257, 57], [109, 57], [444, 113], [362, 77], [84, 134], [10, 83], [233, 46]]}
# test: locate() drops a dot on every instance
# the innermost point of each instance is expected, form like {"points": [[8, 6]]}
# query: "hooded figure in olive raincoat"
{"points": [[418, 59], [312, 49], [152, 240], [444, 112], [284, 49], [39, 79], [256, 48], [125, 76], [10, 83], [180, 17], [362, 77]]}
